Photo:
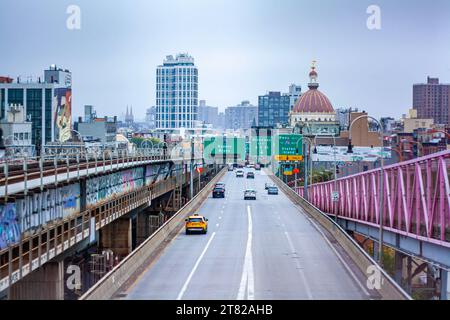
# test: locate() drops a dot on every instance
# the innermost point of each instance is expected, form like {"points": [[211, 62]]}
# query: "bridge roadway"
{"points": [[264, 249]]}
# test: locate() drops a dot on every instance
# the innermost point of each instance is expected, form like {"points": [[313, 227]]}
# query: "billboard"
{"points": [[63, 114]]}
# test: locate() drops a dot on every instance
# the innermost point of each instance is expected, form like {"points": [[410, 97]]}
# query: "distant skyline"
{"points": [[243, 49]]}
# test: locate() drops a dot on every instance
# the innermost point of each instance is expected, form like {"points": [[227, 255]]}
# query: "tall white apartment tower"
{"points": [[176, 93]]}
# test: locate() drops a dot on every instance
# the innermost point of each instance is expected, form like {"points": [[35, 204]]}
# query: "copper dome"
{"points": [[313, 101]]}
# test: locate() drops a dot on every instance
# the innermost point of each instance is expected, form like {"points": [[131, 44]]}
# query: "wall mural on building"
{"points": [[9, 225], [63, 114]]}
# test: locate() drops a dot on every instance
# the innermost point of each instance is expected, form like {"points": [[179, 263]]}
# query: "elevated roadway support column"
{"points": [[45, 283], [398, 271], [445, 285], [117, 236]]}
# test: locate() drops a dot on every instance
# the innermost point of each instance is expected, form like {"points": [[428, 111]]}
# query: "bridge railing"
{"points": [[416, 198]]}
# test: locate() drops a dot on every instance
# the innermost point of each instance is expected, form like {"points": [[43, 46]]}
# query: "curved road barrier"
{"points": [[376, 276]]}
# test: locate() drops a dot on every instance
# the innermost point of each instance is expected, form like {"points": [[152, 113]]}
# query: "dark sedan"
{"points": [[218, 192], [272, 190]]}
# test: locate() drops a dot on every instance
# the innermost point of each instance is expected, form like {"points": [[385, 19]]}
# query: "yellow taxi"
{"points": [[196, 223]]}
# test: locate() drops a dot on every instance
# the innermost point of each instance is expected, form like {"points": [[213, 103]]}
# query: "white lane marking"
{"points": [[217, 225], [247, 279], [299, 268], [339, 257], [220, 218], [183, 289]]}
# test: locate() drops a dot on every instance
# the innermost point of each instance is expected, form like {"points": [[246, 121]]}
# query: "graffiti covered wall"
{"points": [[9, 225], [103, 188], [40, 208]]}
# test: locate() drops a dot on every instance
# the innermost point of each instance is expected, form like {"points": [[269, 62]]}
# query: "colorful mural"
{"points": [[37, 208], [63, 114], [9, 225], [102, 188]]}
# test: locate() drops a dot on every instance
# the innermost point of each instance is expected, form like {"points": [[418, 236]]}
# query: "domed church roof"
{"points": [[313, 101]]}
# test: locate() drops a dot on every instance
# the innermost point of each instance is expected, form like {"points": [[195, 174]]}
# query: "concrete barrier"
{"points": [[116, 278], [389, 289]]}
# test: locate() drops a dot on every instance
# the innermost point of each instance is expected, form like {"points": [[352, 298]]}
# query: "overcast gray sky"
{"points": [[243, 48]]}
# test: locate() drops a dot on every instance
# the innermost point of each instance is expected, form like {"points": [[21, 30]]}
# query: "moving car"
{"points": [[220, 185], [267, 185], [218, 192], [196, 223], [250, 175], [239, 173], [249, 194], [272, 190], [257, 167], [230, 168]]}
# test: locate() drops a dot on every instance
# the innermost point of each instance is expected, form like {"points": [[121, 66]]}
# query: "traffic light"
{"points": [[415, 150], [2, 143], [350, 147]]}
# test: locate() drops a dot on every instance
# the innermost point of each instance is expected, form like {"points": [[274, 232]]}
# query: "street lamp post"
{"points": [[381, 195], [307, 158], [191, 185]]}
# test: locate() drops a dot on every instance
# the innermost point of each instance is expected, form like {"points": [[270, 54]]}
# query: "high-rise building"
{"points": [[295, 91], [273, 109], [208, 114], [432, 101], [47, 104], [242, 116], [176, 93]]}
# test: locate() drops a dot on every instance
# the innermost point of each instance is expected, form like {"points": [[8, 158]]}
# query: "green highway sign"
{"points": [[219, 147], [289, 145], [261, 146]]}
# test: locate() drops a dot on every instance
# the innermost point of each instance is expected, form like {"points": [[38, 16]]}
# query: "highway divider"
{"points": [[113, 281], [388, 288]]}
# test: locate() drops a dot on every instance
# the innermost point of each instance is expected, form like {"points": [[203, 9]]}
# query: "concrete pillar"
{"points": [[375, 251], [398, 271], [445, 285], [116, 236], [45, 283], [141, 227], [408, 284]]}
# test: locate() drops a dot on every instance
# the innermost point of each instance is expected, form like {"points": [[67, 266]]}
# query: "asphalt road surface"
{"points": [[263, 249]]}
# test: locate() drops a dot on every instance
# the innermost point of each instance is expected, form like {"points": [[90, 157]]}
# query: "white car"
{"points": [[239, 173], [249, 194]]}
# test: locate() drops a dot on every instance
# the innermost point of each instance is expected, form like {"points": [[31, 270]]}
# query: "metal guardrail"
{"points": [[389, 289], [116, 278]]}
